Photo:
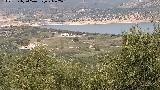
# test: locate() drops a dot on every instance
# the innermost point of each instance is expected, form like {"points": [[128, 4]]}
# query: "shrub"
{"points": [[76, 39], [32, 71], [138, 66]]}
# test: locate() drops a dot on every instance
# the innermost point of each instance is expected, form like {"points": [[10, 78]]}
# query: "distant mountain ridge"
{"points": [[78, 3], [110, 3], [140, 4], [68, 4]]}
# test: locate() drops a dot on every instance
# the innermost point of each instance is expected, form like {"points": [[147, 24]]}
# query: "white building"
{"points": [[29, 47], [32, 46], [64, 35], [68, 35]]}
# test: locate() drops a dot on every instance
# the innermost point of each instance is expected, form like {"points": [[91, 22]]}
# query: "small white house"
{"points": [[64, 35], [68, 35], [29, 47], [32, 46], [71, 47]]}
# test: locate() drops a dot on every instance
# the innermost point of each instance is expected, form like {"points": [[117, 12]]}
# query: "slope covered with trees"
{"points": [[135, 67]]}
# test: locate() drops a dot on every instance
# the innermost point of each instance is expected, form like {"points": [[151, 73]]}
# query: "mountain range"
{"points": [[71, 4], [77, 3]]}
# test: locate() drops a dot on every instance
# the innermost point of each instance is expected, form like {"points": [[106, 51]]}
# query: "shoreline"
{"points": [[36, 24], [92, 23]]}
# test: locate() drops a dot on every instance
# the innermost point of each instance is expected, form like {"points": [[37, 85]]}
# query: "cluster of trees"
{"points": [[135, 67]]}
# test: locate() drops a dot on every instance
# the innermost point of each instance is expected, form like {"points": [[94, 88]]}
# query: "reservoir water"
{"points": [[115, 28]]}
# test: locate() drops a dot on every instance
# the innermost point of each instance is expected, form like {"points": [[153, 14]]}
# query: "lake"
{"points": [[115, 28]]}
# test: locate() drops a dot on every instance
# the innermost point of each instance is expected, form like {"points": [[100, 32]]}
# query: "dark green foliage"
{"points": [[32, 71], [8, 46], [90, 38], [38, 40], [24, 42], [76, 39], [138, 65], [97, 48]]}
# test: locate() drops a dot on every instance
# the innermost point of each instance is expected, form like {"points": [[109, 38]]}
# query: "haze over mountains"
{"points": [[74, 3], [16, 6]]}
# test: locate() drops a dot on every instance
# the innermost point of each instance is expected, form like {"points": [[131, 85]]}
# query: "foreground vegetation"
{"points": [[136, 66]]}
